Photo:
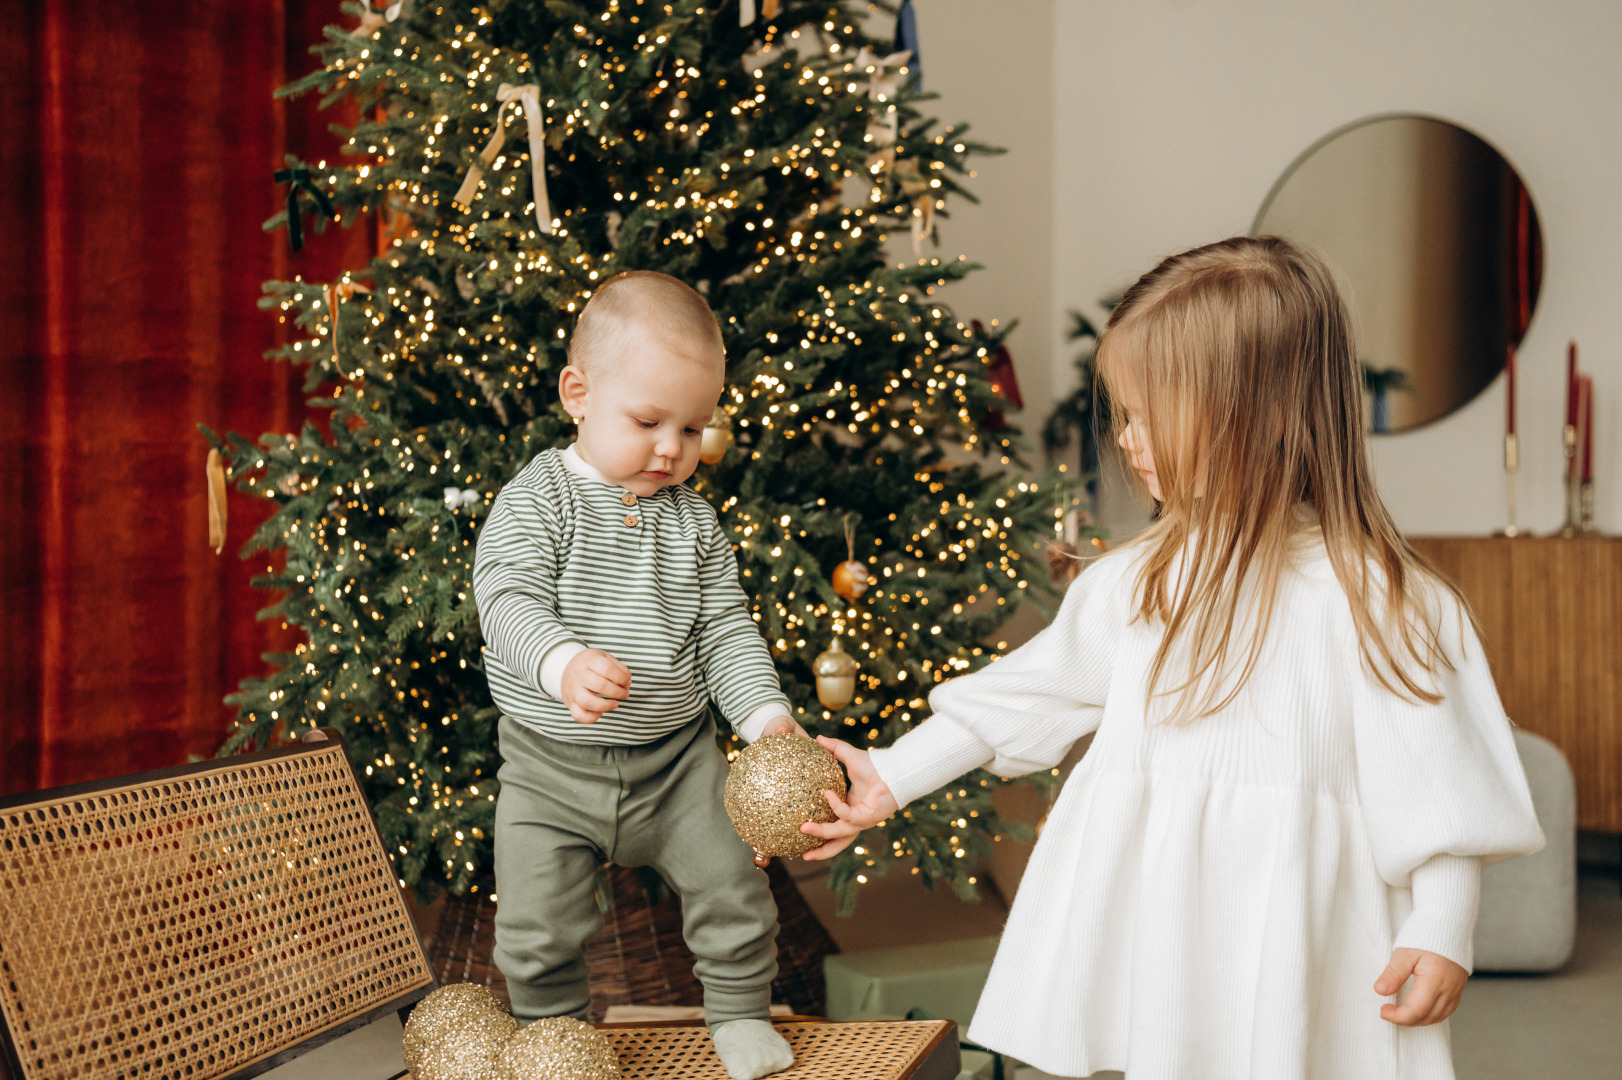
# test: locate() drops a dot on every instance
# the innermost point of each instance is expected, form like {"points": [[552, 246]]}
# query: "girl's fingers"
{"points": [[1395, 974], [844, 751], [1414, 1011], [828, 849], [582, 716], [839, 806], [829, 830]]}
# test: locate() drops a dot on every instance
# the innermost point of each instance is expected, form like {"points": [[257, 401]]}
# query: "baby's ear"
{"points": [[572, 390]]}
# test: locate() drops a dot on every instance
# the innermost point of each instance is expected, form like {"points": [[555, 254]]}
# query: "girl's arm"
{"points": [[1015, 716], [1022, 713], [1443, 791]]}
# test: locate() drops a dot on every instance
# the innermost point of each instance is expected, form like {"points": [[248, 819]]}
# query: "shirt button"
{"points": [[628, 499], [630, 521]]}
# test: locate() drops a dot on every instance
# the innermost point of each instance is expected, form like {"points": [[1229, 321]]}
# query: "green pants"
{"points": [[565, 807]]}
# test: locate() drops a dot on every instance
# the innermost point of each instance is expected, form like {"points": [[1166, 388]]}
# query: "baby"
{"points": [[612, 614]]}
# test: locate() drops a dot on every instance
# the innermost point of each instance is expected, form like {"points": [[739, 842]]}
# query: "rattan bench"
{"points": [[219, 919], [207, 921]]}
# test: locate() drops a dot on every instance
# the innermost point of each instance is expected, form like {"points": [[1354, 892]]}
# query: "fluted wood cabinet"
{"points": [[1551, 621]]}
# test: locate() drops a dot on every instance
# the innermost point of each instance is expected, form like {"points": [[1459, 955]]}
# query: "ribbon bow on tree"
{"points": [[530, 96], [371, 21], [299, 177], [746, 11], [883, 82]]}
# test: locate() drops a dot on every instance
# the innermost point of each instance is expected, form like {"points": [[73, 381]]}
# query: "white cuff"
{"points": [[934, 753], [752, 724], [552, 665], [1447, 893]]}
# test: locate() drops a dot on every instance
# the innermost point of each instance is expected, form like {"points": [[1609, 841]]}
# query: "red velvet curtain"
{"points": [[137, 143]]}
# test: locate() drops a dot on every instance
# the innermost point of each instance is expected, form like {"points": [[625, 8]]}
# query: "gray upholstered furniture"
{"points": [[1528, 919]]}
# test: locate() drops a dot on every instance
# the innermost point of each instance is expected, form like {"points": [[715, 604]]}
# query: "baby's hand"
{"points": [[777, 725], [594, 683], [1438, 984], [870, 802]]}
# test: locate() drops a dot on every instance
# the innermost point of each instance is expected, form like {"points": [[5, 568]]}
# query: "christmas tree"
{"points": [[515, 155]]}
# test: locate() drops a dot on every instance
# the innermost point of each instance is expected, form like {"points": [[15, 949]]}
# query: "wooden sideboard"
{"points": [[1551, 621]]}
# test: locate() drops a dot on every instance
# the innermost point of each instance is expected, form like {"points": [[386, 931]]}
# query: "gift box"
{"points": [[941, 980]]}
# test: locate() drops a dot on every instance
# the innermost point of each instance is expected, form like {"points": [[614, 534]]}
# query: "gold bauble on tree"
{"points": [[835, 670], [775, 786], [712, 446], [556, 1048], [851, 578], [455, 1033]]}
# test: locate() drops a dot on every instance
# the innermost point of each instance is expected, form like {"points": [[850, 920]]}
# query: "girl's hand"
{"points": [[870, 802], [1438, 984]]}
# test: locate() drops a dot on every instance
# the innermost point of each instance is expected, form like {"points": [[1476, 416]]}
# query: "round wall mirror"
{"points": [[1436, 242]]}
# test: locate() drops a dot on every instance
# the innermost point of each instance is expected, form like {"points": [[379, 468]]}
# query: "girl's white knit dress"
{"points": [[1214, 900]]}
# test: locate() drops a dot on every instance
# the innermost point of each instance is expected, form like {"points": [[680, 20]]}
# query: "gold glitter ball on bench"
{"points": [[776, 786], [556, 1048], [455, 1032]]}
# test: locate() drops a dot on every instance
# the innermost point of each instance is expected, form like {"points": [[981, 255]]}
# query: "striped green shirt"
{"points": [[568, 561]]}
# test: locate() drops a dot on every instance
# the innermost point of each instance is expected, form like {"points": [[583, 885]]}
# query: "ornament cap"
{"points": [[835, 660]]}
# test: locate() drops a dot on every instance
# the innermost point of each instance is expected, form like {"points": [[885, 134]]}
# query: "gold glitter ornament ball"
{"points": [[454, 1034], [775, 786], [556, 1048]]}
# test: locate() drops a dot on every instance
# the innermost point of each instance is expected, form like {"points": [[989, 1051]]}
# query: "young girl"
{"points": [[1301, 762]]}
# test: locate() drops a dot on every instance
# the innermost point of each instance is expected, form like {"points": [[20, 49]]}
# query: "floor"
{"points": [[1564, 1026]]}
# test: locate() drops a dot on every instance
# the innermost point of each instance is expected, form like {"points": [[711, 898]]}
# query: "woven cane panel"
{"points": [[190, 927], [857, 1051]]}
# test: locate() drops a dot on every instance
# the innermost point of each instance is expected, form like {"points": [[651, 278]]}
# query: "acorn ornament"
{"points": [[776, 784], [455, 1033], [851, 577], [835, 670], [712, 446]]}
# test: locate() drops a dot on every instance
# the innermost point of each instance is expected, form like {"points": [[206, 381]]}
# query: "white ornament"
{"points": [[456, 499]]}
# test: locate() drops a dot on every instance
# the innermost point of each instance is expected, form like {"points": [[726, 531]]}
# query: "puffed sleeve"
{"points": [[1023, 712], [1442, 788]]}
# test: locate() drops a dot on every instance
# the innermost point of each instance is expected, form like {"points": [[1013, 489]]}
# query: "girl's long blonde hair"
{"points": [[1241, 352]]}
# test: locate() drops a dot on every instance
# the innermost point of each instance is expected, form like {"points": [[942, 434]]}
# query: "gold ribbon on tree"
{"points": [[345, 289], [915, 187], [530, 96], [883, 82], [746, 11], [371, 20], [214, 471]]}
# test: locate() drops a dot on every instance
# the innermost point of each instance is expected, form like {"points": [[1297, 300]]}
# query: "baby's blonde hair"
{"points": [[1241, 352], [656, 304]]}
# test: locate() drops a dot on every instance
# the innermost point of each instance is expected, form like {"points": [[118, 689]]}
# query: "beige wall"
{"points": [[1137, 127]]}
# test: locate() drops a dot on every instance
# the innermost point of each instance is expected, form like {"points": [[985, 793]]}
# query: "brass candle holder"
{"points": [[1573, 525], [1512, 465]]}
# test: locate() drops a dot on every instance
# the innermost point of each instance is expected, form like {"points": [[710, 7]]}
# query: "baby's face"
{"points": [[644, 416]]}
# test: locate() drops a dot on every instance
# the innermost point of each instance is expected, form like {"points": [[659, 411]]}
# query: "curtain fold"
{"points": [[138, 143]]}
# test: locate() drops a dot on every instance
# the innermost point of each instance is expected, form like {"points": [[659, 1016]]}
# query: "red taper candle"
{"points": [[1509, 390], [1571, 383]]}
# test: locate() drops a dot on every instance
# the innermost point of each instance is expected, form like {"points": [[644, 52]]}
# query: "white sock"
{"points": [[750, 1049]]}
